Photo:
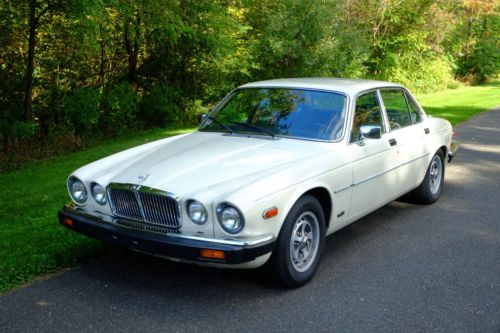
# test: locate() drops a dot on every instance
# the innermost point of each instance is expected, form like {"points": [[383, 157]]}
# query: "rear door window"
{"points": [[415, 113], [396, 108]]}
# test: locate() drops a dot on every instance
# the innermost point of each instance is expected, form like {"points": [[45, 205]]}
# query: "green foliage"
{"points": [[120, 110], [294, 38], [484, 61], [82, 108], [429, 73], [114, 66], [160, 106]]}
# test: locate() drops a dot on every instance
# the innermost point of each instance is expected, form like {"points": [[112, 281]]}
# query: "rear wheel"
{"points": [[429, 190], [300, 244]]}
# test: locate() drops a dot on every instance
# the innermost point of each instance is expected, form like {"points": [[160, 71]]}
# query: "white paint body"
{"points": [[256, 173]]}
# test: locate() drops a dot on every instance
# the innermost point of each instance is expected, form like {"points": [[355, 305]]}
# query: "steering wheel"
{"points": [[394, 125]]}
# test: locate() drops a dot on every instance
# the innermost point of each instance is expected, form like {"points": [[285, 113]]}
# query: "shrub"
{"points": [[120, 109], [82, 108], [160, 107], [193, 112], [421, 74]]}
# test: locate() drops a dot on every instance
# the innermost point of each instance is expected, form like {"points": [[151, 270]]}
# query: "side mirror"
{"points": [[202, 118], [369, 132]]}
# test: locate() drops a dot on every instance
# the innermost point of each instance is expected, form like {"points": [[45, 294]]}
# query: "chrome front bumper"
{"points": [[174, 244]]}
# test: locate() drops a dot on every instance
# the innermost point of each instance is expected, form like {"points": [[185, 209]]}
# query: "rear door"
{"points": [[407, 129]]}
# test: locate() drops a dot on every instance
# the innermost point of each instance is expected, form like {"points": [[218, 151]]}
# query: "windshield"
{"points": [[306, 114]]}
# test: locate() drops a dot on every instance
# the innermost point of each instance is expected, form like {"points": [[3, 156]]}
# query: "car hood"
{"points": [[201, 161]]}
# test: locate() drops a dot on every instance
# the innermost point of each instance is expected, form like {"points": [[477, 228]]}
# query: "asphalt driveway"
{"points": [[403, 268]]}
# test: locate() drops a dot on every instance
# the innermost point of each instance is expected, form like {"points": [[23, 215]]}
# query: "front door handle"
{"points": [[393, 142], [426, 130]]}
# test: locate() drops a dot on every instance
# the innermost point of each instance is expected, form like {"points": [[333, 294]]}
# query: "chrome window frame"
{"points": [[407, 108], [385, 129], [228, 96]]}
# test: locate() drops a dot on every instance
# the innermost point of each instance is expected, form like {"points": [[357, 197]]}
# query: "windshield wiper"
{"points": [[227, 128], [254, 127]]}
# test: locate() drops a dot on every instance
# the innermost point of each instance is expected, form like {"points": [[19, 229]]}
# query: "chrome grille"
{"points": [[144, 204]]}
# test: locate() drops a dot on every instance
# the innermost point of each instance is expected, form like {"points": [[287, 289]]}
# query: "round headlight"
{"points": [[230, 218], [77, 190], [197, 212], [99, 194]]}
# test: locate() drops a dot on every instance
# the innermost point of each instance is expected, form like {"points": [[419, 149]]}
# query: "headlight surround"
{"points": [[196, 212], [77, 190], [99, 194], [230, 218]]}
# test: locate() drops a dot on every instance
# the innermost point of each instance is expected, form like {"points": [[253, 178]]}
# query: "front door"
{"points": [[375, 161]]}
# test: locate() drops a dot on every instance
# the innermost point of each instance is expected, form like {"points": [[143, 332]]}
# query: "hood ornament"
{"points": [[142, 177]]}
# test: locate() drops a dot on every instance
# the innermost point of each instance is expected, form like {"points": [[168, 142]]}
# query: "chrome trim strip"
{"points": [[250, 242], [375, 176], [378, 175], [343, 188], [392, 169]]}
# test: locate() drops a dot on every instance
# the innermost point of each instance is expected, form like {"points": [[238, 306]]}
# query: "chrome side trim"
{"points": [[378, 175], [343, 188]]}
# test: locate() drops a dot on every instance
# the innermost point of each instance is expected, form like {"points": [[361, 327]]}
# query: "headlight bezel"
{"points": [[72, 180], [103, 193], [204, 214], [220, 210]]}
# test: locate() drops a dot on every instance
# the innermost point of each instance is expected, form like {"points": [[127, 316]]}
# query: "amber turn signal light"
{"points": [[270, 212], [212, 254], [68, 222]]}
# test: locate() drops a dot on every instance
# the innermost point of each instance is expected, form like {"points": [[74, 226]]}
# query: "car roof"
{"points": [[348, 86]]}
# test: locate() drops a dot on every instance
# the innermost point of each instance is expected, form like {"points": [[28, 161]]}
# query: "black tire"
{"points": [[286, 271], [430, 189]]}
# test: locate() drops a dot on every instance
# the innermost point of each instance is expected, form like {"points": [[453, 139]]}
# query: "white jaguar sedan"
{"points": [[271, 171]]}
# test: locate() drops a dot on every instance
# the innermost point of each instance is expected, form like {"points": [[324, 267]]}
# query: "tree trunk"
{"points": [[469, 33], [27, 113], [102, 46], [132, 49]]}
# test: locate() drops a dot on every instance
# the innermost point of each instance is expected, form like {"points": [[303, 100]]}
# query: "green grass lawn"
{"points": [[31, 240], [33, 243], [458, 105]]}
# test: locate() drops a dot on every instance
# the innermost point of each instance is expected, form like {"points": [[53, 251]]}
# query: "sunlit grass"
{"points": [[458, 105]]}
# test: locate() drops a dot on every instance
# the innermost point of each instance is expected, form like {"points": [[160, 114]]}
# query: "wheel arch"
{"points": [[321, 193], [444, 149], [325, 200]]}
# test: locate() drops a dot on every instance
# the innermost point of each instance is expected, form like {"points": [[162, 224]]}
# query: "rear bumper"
{"points": [[169, 245], [453, 150]]}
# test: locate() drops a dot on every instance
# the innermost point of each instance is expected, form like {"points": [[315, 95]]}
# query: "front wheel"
{"points": [[300, 244], [429, 190]]}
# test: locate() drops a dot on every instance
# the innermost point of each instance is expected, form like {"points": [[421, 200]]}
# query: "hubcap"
{"points": [[304, 241], [435, 174]]}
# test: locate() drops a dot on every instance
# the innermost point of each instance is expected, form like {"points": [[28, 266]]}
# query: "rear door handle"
{"points": [[393, 142], [426, 130]]}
